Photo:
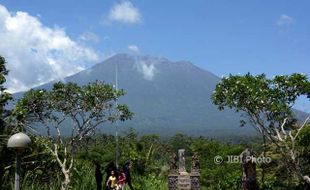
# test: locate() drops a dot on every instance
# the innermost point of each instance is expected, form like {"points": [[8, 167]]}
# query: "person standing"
{"points": [[112, 181], [121, 180], [126, 169], [98, 175]]}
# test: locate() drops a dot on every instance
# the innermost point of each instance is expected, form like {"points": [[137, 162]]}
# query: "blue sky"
{"points": [[221, 36]]}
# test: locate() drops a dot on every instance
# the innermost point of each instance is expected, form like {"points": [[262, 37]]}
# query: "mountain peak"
{"points": [[146, 59], [139, 57], [150, 65]]}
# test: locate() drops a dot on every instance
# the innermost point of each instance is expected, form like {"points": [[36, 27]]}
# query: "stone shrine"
{"points": [[179, 178]]}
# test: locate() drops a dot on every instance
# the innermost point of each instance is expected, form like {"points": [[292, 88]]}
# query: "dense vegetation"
{"points": [[57, 161], [150, 155]]}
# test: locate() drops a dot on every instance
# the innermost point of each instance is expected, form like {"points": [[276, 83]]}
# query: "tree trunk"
{"points": [[263, 164], [66, 182], [98, 176], [66, 170]]}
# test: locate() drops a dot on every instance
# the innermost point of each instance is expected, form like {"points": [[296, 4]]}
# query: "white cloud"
{"points": [[89, 36], [36, 54], [125, 12], [285, 20], [147, 69], [133, 48]]}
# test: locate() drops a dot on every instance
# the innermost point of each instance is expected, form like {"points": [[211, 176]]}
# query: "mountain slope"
{"points": [[166, 97]]}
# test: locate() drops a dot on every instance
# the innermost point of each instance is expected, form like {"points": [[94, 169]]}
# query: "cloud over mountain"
{"points": [[35, 53], [133, 48], [148, 70]]}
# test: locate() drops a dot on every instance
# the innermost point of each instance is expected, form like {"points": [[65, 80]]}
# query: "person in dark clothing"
{"points": [[126, 169], [98, 175]]}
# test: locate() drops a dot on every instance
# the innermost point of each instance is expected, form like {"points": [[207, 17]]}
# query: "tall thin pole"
{"points": [[116, 126], [17, 171]]}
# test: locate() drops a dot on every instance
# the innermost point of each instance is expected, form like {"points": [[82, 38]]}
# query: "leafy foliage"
{"points": [[6, 129], [258, 96], [82, 107], [267, 103]]}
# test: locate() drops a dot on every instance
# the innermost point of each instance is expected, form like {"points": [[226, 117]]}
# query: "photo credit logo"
{"points": [[232, 159], [218, 159]]}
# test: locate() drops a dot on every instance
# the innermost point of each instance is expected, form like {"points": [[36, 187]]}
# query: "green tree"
{"points": [[267, 104], [69, 107], [5, 130], [4, 96], [303, 143]]}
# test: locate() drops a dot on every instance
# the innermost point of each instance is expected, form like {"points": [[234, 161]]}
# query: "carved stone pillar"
{"points": [[173, 167], [195, 176], [182, 168], [249, 181], [195, 163]]}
